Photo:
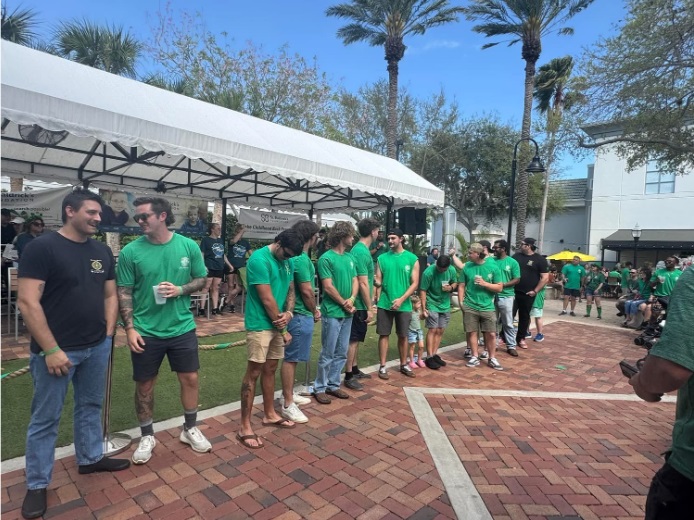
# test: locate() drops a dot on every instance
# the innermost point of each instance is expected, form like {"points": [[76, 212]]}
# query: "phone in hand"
{"points": [[628, 369]]}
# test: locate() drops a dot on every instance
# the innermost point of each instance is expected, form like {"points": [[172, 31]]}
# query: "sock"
{"points": [[348, 375], [355, 369], [190, 417], [599, 312], [588, 308], [147, 429]]}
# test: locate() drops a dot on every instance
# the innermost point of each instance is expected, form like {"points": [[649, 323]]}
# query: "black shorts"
{"points": [[213, 273], [182, 352], [358, 332], [576, 293], [385, 318], [671, 495]]}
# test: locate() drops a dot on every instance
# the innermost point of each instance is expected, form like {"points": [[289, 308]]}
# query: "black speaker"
{"points": [[412, 221]]}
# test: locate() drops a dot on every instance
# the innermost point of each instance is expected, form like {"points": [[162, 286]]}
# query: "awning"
{"points": [[126, 133], [651, 239]]}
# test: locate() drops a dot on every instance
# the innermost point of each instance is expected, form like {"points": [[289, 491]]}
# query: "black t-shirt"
{"points": [[73, 298], [531, 268], [8, 234], [237, 253], [213, 252]]}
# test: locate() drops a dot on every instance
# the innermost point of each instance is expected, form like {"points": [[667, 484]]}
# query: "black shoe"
{"points": [[361, 375], [34, 504], [512, 352], [620, 314], [201, 312], [353, 384], [430, 362], [232, 308], [105, 464], [440, 361]]}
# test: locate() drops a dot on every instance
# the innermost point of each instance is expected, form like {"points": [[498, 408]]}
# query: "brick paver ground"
{"points": [[366, 458]]}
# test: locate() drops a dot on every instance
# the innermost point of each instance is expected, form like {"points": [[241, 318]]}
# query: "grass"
{"points": [[221, 372]]}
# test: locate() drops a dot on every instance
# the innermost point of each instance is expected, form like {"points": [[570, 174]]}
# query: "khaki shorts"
{"points": [[484, 321], [263, 345]]}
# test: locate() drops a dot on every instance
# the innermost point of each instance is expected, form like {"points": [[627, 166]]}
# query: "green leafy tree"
{"points": [[641, 83], [284, 88], [552, 96], [525, 22], [386, 23], [108, 48], [19, 26]]}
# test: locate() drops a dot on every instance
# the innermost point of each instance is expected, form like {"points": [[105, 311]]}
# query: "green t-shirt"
{"points": [[432, 282], [263, 268], [666, 281], [626, 276], [644, 289], [341, 270], [378, 251], [539, 302], [477, 297], [396, 277], [508, 269], [677, 345], [573, 274], [594, 279], [303, 272], [364, 265], [615, 274], [142, 264]]}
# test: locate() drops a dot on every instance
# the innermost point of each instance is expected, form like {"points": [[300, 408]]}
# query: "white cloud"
{"points": [[441, 44]]}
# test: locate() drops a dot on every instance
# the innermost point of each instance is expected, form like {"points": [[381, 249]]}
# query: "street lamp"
{"points": [[636, 234], [535, 166], [398, 146]]}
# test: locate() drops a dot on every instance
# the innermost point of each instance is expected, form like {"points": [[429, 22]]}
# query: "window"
{"points": [[657, 180]]}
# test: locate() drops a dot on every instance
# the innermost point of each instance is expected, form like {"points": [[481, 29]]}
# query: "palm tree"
{"points": [[102, 47], [19, 25], [387, 22], [525, 21], [552, 98]]}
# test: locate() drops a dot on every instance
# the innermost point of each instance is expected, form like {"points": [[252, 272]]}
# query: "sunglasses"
{"points": [[39, 224], [142, 216], [287, 254]]}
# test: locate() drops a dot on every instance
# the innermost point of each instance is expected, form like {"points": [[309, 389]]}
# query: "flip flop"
{"points": [[243, 439], [281, 423]]}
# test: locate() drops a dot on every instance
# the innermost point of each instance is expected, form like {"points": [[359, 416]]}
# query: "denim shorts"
{"points": [[415, 336], [182, 352], [593, 292], [301, 329]]}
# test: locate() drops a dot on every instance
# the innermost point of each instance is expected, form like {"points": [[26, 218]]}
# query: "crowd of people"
{"points": [[71, 292]]}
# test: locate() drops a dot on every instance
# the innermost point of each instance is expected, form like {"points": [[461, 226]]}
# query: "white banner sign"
{"points": [[46, 204], [264, 225]]}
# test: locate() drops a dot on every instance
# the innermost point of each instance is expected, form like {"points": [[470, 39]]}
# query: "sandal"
{"points": [[243, 439], [281, 423]]}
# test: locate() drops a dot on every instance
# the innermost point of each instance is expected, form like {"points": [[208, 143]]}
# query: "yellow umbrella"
{"points": [[569, 255]]}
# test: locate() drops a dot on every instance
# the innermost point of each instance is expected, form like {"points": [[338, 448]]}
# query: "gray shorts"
{"points": [[438, 320], [474, 320], [384, 323]]}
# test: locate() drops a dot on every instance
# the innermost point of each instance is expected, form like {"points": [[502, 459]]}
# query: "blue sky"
{"points": [[448, 57]]}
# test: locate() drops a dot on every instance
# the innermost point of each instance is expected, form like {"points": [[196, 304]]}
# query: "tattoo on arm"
{"points": [[195, 285], [291, 299], [245, 393], [42, 286], [125, 302]]}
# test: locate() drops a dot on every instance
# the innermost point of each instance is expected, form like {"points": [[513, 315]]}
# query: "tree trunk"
{"points": [[392, 131], [545, 193], [522, 184]]}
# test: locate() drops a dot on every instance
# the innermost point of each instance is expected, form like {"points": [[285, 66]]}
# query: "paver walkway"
{"points": [[527, 450]]}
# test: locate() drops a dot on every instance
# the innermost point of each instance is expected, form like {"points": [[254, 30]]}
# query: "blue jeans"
{"points": [[504, 307], [632, 306], [333, 354], [88, 376]]}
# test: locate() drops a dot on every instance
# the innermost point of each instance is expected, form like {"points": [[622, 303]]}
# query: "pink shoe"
{"points": [[420, 363], [412, 364]]}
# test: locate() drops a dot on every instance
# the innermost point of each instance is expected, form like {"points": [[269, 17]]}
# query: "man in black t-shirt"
{"points": [[67, 296], [534, 270]]}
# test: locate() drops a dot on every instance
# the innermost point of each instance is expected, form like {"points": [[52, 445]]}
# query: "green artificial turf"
{"points": [[220, 375]]}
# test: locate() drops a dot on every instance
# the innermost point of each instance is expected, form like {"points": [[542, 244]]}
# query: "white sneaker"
{"points": [[196, 440], [144, 450], [298, 399], [294, 414]]}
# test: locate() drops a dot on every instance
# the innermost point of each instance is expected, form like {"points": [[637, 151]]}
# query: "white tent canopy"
{"points": [[126, 133]]}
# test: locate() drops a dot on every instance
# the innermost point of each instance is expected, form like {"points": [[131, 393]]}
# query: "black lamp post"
{"points": [[636, 234], [398, 146], [535, 166]]}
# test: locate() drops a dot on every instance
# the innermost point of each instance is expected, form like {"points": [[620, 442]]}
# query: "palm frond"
{"points": [[19, 25]]}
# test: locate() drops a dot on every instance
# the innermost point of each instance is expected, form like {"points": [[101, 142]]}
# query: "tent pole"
{"points": [[389, 217], [224, 219]]}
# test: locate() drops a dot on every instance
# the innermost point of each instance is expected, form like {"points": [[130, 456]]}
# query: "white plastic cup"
{"points": [[158, 298]]}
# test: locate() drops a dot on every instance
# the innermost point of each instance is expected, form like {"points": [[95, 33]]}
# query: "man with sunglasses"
{"points": [[534, 270], [34, 228], [156, 275], [269, 309]]}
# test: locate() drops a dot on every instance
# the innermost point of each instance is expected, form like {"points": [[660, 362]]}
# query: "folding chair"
{"points": [[198, 299]]}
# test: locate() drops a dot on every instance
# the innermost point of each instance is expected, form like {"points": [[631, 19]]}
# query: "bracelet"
{"points": [[49, 352], [180, 289], [291, 314], [283, 331]]}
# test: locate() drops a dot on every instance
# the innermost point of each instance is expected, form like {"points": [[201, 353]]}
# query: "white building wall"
{"points": [[619, 201]]}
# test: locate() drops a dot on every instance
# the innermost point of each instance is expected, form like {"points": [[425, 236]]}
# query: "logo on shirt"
{"points": [[287, 268], [508, 267], [97, 267], [185, 262], [407, 268], [490, 276], [530, 262], [218, 250]]}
